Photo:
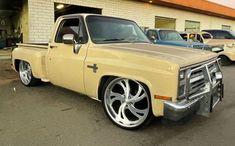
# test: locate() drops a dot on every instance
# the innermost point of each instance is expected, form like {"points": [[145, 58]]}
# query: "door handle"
{"points": [[51, 46]]}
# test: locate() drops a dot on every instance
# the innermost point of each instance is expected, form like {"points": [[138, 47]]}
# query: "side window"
{"points": [[71, 26], [223, 35], [152, 34], [184, 36], [199, 38], [213, 34]]}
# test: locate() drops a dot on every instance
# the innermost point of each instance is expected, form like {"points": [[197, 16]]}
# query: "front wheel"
{"points": [[127, 103], [26, 76]]}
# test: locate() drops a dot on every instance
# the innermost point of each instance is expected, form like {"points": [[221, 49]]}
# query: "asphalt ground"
{"points": [[48, 115]]}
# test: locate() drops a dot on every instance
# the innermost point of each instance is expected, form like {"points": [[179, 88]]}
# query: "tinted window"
{"points": [[71, 26], [206, 36], [220, 34], [113, 30], [184, 36], [152, 35], [233, 34], [211, 32], [170, 35], [199, 38], [223, 35]]}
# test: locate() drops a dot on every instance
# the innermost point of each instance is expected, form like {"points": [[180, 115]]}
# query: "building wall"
{"points": [[41, 19], [41, 15]]}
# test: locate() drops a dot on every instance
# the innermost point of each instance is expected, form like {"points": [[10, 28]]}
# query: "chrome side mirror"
{"points": [[68, 39], [76, 48]]}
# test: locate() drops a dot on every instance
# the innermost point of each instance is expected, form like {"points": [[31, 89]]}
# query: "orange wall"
{"points": [[201, 6]]}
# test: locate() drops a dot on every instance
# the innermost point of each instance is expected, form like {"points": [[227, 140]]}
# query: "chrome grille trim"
{"points": [[200, 79]]}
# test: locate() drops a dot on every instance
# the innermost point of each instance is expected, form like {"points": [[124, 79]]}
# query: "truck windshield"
{"points": [[114, 30], [170, 35]]}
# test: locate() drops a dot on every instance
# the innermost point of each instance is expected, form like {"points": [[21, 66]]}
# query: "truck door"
{"points": [[64, 65]]}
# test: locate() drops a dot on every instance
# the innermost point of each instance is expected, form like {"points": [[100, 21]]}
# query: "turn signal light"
{"points": [[162, 97]]}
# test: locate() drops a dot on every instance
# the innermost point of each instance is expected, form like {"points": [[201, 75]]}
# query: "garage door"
{"points": [[164, 22]]}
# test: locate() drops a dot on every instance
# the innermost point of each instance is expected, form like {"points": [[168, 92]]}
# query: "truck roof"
{"points": [[197, 32], [161, 29], [90, 14]]}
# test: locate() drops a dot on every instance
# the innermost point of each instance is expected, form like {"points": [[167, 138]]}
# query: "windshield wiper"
{"points": [[113, 39], [124, 40], [139, 41]]}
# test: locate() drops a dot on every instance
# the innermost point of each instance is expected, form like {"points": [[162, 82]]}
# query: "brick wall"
{"points": [[41, 15], [41, 19]]}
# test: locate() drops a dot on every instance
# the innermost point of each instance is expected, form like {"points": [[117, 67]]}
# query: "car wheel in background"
{"points": [[225, 60]]}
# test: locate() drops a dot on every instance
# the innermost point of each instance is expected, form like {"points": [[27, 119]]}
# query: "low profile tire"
{"points": [[225, 61], [26, 76], [127, 103]]}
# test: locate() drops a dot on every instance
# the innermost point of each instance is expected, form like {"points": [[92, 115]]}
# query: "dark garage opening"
{"points": [[65, 9], [10, 24]]}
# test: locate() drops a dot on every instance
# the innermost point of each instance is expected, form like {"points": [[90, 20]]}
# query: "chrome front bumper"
{"points": [[202, 103]]}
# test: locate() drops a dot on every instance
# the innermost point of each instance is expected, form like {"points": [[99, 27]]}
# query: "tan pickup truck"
{"points": [[225, 47], [111, 59]]}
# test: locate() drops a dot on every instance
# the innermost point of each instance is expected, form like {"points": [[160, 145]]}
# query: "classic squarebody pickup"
{"points": [[224, 47], [111, 60]]}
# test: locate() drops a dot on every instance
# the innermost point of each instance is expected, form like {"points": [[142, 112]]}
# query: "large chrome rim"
{"points": [[25, 72], [126, 102]]}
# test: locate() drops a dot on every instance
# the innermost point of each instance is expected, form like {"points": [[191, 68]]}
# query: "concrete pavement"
{"points": [[52, 116], [5, 54]]}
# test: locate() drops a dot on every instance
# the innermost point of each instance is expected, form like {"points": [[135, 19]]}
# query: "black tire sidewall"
{"points": [[225, 61]]}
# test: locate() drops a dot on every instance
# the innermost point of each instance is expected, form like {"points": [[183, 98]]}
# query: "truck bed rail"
{"points": [[42, 46]]}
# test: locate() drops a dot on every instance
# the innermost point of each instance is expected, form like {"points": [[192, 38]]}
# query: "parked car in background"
{"points": [[225, 47], [221, 34], [173, 38], [111, 59]]}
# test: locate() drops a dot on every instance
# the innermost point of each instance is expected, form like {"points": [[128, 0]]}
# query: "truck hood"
{"points": [[177, 55], [183, 44], [214, 42]]}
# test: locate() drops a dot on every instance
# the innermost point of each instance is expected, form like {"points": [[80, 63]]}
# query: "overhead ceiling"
{"points": [[10, 7]]}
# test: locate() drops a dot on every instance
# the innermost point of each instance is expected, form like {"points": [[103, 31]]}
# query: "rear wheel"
{"points": [[26, 76], [225, 60], [127, 103]]}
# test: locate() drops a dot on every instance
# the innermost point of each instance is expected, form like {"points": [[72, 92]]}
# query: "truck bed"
{"points": [[33, 45], [35, 55]]}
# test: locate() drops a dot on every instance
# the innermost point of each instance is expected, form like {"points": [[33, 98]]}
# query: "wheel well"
{"points": [[223, 56], [104, 80], [17, 62]]}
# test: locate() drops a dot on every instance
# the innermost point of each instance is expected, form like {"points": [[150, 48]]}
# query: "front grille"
{"points": [[196, 80], [198, 46], [198, 77], [203, 47]]}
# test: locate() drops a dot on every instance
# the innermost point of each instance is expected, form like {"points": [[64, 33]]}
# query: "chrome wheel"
{"points": [[126, 102], [25, 72]]}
